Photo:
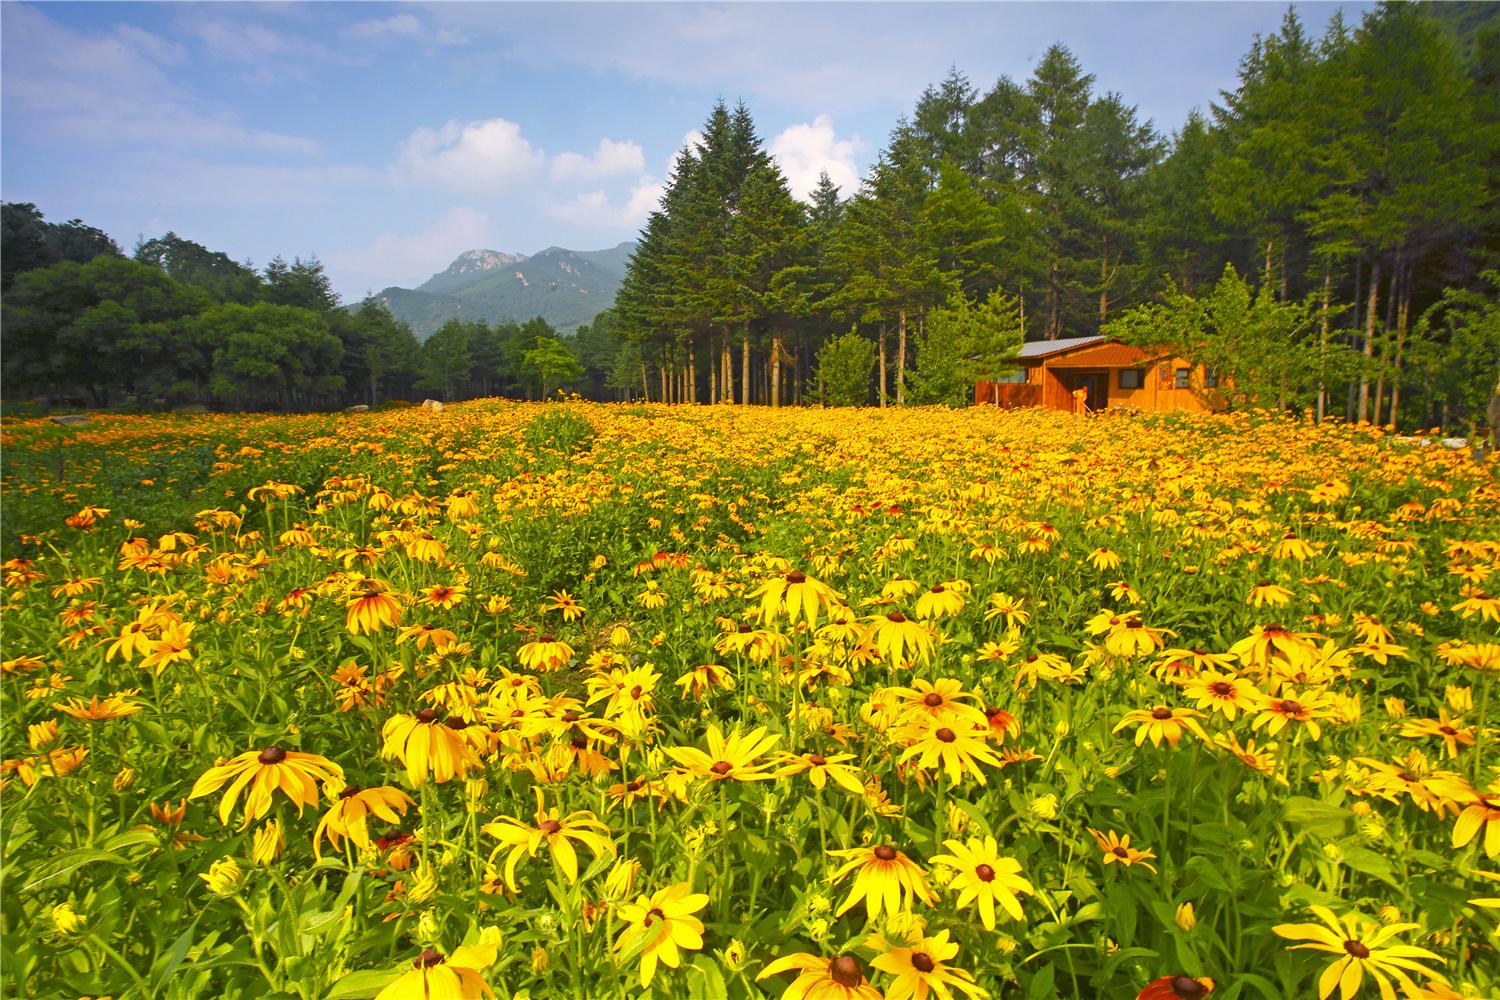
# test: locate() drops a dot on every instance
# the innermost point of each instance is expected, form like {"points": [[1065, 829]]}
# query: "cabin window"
{"points": [[1132, 378], [1210, 378], [1184, 378], [1017, 377]]}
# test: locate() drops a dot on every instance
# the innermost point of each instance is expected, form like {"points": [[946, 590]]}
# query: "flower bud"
{"points": [[1044, 807], [65, 919], [224, 877], [1185, 918], [124, 779]]}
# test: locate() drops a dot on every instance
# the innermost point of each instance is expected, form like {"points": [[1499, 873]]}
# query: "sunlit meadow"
{"points": [[591, 701]]}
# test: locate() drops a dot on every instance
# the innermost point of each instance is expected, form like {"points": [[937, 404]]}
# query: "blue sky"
{"points": [[387, 138]]}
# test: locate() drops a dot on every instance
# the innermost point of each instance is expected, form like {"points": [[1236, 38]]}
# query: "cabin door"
{"points": [[1096, 384]]}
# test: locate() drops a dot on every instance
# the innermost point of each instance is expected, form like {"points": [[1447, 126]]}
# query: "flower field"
{"points": [[598, 701]]}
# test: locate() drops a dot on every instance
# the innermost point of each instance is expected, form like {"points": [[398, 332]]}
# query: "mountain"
{"points": [[567, 288]]}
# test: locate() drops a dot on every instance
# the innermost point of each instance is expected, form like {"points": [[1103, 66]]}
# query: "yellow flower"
{"points": [[1361, 947], [452, 977], [545, 654], [349, 815], [269, 842], [731, 759], [660, 926], [555, 831], [224, 877], [372, 609], [798, 594], [1104, 559], [260, 774], [957, 747], [819, 769], [818, 978], [1185, 918], [66, 919], [113, 706], [1223, 693], [921, 968], [424, 742], [942, 601], [897, 637], [886, 877], [1163, 723], [983, 876], [1117, 850]]}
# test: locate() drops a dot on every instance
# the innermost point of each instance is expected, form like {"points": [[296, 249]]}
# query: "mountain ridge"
{"points": [[565, 287]]}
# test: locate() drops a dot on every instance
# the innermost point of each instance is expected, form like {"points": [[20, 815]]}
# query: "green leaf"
{"points": [[360, 985], [1316, 818], [713, 987], [56, 870]]}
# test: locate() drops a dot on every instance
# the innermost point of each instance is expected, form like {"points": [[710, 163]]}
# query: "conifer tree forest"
{"points": [[1327, 232]]}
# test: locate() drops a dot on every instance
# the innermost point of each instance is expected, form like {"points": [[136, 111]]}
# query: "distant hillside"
{"points": [[565, 287]]}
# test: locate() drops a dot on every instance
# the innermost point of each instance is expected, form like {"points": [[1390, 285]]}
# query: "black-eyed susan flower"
{"points": [[444, 595], [1225, 694], [984, 878], [819, 978], [1289, 707], [96, 709], [545, 654], [349, 815], [259, 774], [1177, 988], [957, 747], [372, 609], [1117, 850], [898, 638], [797, 595], [1163, 723], [940, 601], [554, 831], [1268, 593], [564, 602], [1267, 643], [922, 967], [885, 878], [944, 700], [427, 744], [819, 769], [1479, 812], [1362, 948], [659, 927], [728, 759], [434, 975], [1012, 609], [1450, 730]]}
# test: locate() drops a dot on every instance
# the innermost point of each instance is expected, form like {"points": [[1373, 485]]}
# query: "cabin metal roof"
{"points": [[1035, 349]]}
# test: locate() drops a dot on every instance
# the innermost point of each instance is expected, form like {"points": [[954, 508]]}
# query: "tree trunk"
{"points": [[1369, 345], [745, 361], [901, 359], [645, 382], [882, 365], [1323, 342], [1403, 314], [1269, 245], [692, 374], [1104, 284], [1054, 306], [776, 372]]}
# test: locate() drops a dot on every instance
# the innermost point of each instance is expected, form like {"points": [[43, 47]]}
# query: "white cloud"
{"points": [[110, 89], [408, 260], [397, 25], [472, 156], [594, 210], [609, 159], [804, 151]]}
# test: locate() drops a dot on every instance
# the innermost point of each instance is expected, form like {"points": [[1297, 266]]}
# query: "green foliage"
{"points": [[269, 354], [844, 367], [1457, 349], [552, 362], [562, 429], [1262, 351], [966, 342], [31, 242]]}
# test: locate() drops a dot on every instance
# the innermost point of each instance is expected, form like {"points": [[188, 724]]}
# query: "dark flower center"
{"points": [[1447, 730], [428, 959], [549, 826], [427, 715], [579, 742], [1356, 949], [985, 873], [635, 692], [946, 735], [653, 915], [1273, 629], [349, 791], [1406, 776], [1161, 713], [885, 852], [1222, 688], [272, 755], [817, 759], [571, 716], [743, 628], [938, 588], [796, 576], [845, 971], [896, 617], [1187, 986], [1291, 707], [933, 700], [1134, 623], [455, 722], [1264, 583], [721, 767], [1120, 852], [922, 962]]}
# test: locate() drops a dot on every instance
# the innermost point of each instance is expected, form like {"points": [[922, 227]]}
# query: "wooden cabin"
{"points": [[1100, 373]]}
